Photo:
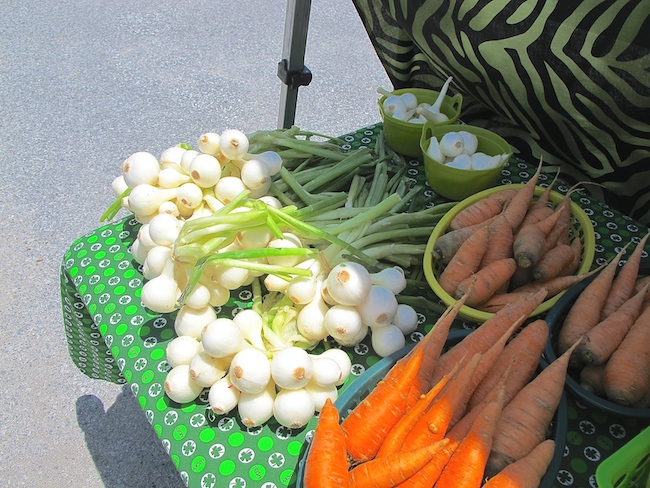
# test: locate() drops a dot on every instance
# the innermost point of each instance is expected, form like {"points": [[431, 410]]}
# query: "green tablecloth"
{"points": [[111, 336]]}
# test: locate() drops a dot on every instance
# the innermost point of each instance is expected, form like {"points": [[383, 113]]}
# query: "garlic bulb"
{"points": [[470, 142], [293, 408], [256, 408], [221, 338], [387, 340], [223, 396], [181, 350], [348, 283], [291, 368], [327, 371], [320, 394], [191, 321], [140, 168], [344, 324], [379, 308], [451, 144], [250, 370], [391, 278], [406, 319], [206, 370], [343, 360], [179, 385]]}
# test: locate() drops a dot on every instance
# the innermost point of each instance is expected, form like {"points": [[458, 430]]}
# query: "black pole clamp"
{"points": [[295, 78]]}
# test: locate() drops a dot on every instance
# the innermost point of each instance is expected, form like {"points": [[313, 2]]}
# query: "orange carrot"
{"points": [[394, 439], [561, 233], [516, 210], [326, 464], [641, 282], [486, 281], [447, 244], [558, 284], [367, 425], [528, 246], [526, 472], [388, 471], [521, 277], [500, 239], [467, 464], [540, 209], [572, 267], [458, 432], [499, 300], [521, 355], [430, 472], [604, 337], [585, 311], [627, 374], [592, 378], [525, 420], [433, 344], [623, 284], [488, 333], [485, 365], [465, 262], [553, 262], [433, 425], [483, 209]]}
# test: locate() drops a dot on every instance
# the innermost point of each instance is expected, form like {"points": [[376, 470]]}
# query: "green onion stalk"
{"points": [[371, 219], [344, 205]]}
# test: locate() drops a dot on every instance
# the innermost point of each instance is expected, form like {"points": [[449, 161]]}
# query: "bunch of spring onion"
{"points": [[291, 233]]}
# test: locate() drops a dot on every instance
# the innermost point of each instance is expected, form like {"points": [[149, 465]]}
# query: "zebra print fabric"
{"points": [[565, 81]]}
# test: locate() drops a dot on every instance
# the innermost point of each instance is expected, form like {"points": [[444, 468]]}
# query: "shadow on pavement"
{"points": [[126, 450]]}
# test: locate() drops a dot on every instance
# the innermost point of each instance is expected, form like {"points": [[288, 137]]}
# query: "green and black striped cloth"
{"points": [[568, 82]]}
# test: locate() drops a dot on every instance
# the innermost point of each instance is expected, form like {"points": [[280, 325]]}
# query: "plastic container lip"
{"points": [[631, 461], [345, 403], [554, 319], [469, 313]]}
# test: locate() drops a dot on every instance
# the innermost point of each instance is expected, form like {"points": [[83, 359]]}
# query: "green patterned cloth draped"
{"points": [[566, 81]]}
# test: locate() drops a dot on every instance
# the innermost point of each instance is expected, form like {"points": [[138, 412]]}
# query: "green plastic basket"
{"points": [[629, 467]]}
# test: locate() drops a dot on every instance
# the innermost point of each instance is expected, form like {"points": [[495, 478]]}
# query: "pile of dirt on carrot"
{"points": [[611, 318], [450, 417], [508, 244]]}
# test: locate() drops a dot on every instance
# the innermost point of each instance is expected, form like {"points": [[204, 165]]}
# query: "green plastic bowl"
{"points": [[404, 137], [581, 227], [456, 183]]}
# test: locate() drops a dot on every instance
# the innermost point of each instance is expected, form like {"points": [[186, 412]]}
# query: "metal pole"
{"points": [[292, 70]]}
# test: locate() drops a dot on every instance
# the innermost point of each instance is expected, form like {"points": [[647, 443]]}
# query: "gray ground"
{"points": [[82, 85]]}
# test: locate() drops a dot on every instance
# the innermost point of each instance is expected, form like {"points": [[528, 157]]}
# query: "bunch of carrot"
{"points": [[508, 244], [611, 318], [470, 415]]}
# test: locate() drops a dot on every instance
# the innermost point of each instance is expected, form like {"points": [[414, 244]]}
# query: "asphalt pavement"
{"points": [[84, 84]]}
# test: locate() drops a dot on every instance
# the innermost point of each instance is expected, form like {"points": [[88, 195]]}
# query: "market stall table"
{"points": [[111, 336]]}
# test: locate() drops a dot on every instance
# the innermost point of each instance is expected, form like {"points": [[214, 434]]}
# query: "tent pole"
{"points": [[292, 70]]}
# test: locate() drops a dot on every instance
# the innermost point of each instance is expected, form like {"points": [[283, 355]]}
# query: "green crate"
{"points": [[629, 467]]}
